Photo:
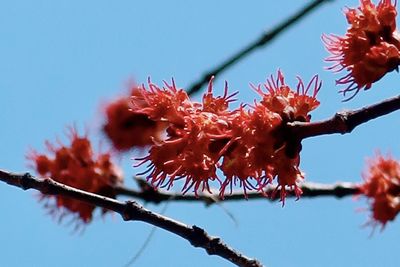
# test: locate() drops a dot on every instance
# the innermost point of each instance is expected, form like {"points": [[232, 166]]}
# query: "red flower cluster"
{"points": [[79, 167], [247, 145], [382, 187], [126, 129], [370, 48]]}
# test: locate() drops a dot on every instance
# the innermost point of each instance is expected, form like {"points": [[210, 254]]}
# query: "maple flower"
{"points": [[370, 47], [192, 147], [289, 104], [78, 166], [249, 156], [167, 104], [259, 150], [127, 129], [382, 187], [247, 144]]}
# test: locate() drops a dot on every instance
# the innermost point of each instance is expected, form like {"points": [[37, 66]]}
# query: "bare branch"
{"points": [[132, 211], [343, 122], [264, 39], [310, 190]]}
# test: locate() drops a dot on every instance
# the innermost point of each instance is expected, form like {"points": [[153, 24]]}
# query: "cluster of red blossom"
{"points": [[76, 165], [248, 145], [245, 144], [370, 48], [382, 187]]}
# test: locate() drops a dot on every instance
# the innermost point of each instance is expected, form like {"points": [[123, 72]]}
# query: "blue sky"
{"points": [[59, 60]]}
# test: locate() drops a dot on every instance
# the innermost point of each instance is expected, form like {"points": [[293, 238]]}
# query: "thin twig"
{"points": [[310, 190], [132, 211], [343, 122], [264, 39]]}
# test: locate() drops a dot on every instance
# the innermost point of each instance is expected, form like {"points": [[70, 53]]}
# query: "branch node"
{"points": [[214, 243], [341, 190], [199, 237], [341, 119], [25, 181], [129, 210]]}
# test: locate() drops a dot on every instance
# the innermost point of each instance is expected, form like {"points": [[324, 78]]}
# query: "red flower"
{"points": [[382, 187], [259, 150], [249, 156], [162, 104], [217, 105], [127, 129], [370, 48], [247, 145], [194, 133], [76, 165], [290, 104]]}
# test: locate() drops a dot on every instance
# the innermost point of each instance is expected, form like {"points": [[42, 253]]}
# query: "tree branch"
{"points": [[310, 190], [264, 39], [132, 211], [343, 122]]}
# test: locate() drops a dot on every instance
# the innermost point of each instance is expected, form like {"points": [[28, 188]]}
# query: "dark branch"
{"points": [[310, 190], [261, 41], [343, 122], [131, 210]]}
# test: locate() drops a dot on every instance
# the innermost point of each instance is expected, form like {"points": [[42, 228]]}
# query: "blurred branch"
{"points": [[310, 190], [264, 39], [343, 122], [132, 211]]}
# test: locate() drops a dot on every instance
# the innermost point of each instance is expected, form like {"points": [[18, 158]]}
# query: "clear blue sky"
{"points": [[59, 60]]}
